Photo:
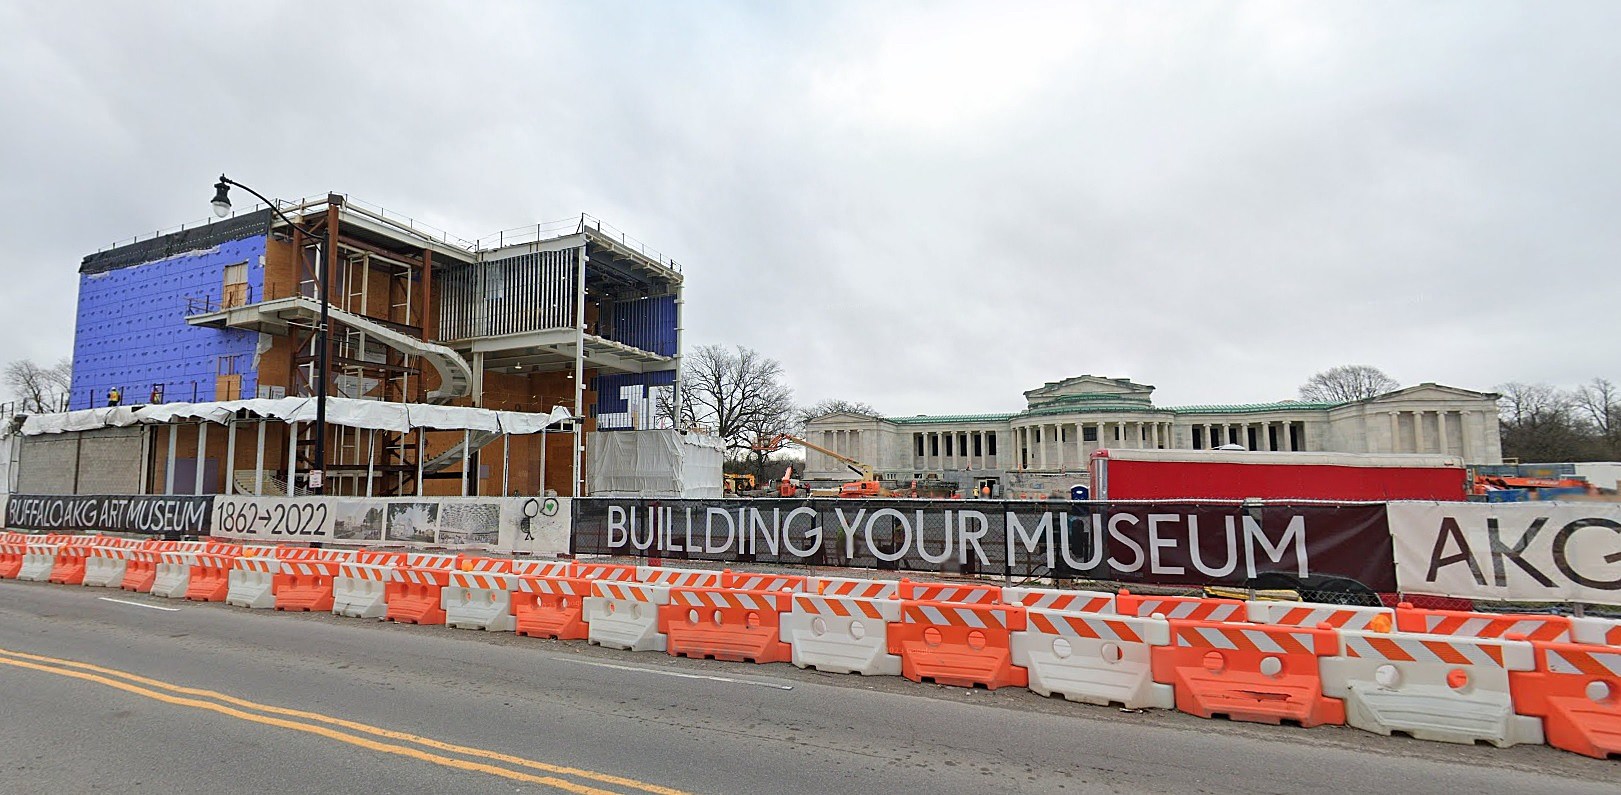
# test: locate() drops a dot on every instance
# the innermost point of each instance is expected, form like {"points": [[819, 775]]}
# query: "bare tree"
{"points": [[39, 389], [1539, 423], [1346, 383], [738, 393], [822, 408], [1600, 401]]}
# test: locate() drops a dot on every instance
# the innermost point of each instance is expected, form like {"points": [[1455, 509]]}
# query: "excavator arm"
{"points": [[865, 472]]}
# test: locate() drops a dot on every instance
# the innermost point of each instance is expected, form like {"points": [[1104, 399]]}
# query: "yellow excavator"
{"points": [[866, 486]]}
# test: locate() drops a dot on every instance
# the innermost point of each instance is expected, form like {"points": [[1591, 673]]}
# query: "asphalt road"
{"points": [[98, 695]]}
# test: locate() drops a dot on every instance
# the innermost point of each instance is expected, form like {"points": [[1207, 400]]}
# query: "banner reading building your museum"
{"points": [[535, 525], [1180, 544], [1532, 551]]}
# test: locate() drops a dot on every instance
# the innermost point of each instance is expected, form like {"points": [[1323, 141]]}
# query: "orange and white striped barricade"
{"points": [[1249, 672], [1446, 688], [252, 582], [842, 634], [723, 624], [11, 559], [1576, 691], [612, 572], [856, 587], [959, 592], [360, 589], [543, 568], [68, 568], [686, 578], [965, 645], [1094, 658], [1596, 631], [1058, 599], [39, 558], [625, 615], [141, 570], [210, 577], [479, 600], [173, 574], [305, 585], [550, 606], [1310, 614], [1553, 629], [1187, 608], [414, 592], [107, 563], [762, 581]]}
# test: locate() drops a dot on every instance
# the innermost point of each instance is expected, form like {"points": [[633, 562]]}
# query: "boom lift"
{"points": [[867, 486]]}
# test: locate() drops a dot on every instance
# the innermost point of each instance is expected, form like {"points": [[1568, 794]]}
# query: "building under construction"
{"points": [[573, 315]]}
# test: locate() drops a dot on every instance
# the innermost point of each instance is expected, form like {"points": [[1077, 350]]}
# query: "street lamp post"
{"points": [[222, 208]]}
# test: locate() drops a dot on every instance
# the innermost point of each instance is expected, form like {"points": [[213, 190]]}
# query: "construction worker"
{"points": [[114, 396]]}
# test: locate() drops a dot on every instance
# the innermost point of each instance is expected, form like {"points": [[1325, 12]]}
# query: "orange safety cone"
{"points": [[1576, 690], [1250, 672], [965, 645]]}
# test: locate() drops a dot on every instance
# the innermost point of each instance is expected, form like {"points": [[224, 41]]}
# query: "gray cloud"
{"points": [[928, 207]]}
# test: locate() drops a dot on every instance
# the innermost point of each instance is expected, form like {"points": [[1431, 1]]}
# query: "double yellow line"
{"points": [[319, 725]]}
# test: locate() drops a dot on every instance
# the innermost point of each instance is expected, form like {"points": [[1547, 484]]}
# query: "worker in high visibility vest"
{"points": [[114, 396]]}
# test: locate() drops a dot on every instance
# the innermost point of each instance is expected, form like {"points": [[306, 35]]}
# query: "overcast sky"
{"points": [[927, 207]]}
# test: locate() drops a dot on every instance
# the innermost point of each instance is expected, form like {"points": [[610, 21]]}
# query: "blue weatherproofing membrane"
{"points": [[131, 332], [646, 323], [613, 408]]}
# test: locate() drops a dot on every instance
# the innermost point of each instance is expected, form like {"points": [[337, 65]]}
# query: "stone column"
{"points": [[1467, 443], [1395, 433], [1441, 430]]}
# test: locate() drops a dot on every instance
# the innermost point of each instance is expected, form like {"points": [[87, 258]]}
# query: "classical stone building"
{"points": [[1066, 421]]}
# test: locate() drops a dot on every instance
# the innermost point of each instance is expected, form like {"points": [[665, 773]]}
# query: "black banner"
{"points": [[1273, 545], [148, 515]]}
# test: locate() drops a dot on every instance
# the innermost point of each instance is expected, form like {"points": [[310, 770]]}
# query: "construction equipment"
{"points": [[736, 484], [788, 487], [866, 486]]}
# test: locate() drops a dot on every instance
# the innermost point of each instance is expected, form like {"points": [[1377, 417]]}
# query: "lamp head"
{"points": [[222, 198]]}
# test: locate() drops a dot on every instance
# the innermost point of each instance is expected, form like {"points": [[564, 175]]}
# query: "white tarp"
{"points": [[348, 412], [1526, 551], [655, 463]]}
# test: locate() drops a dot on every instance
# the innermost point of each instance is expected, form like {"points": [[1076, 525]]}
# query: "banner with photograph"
{"points": [[522, 524]]}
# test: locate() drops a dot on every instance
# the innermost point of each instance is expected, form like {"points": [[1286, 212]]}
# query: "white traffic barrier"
{"points": [[106, 566], [1447, 688], [843, 586], [625, 615], [251, 582], [1310, 614], [479, 600], [174, 574], [1596, 631], [38, 562], [1094, 658], [1057, 599], [842, 634], [543, 568], [360, 590], [686, 578]]}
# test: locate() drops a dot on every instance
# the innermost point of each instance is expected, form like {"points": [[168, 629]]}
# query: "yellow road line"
{"points": [[20, 660]]}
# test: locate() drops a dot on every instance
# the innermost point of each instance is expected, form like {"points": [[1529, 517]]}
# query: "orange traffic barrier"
{"points": [[613, 572], [11, 559], [71, 559], [761, 581], [414, 595], [960, 592], [856, 588], [1190, 608], [1482, 625], [958, 644], [1596, 631], [141, 572], [544, 568], [304, 585], [1576, 690], [685, 578], [1250, 672], [210, 577], [551, 607], [723, 624]]}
